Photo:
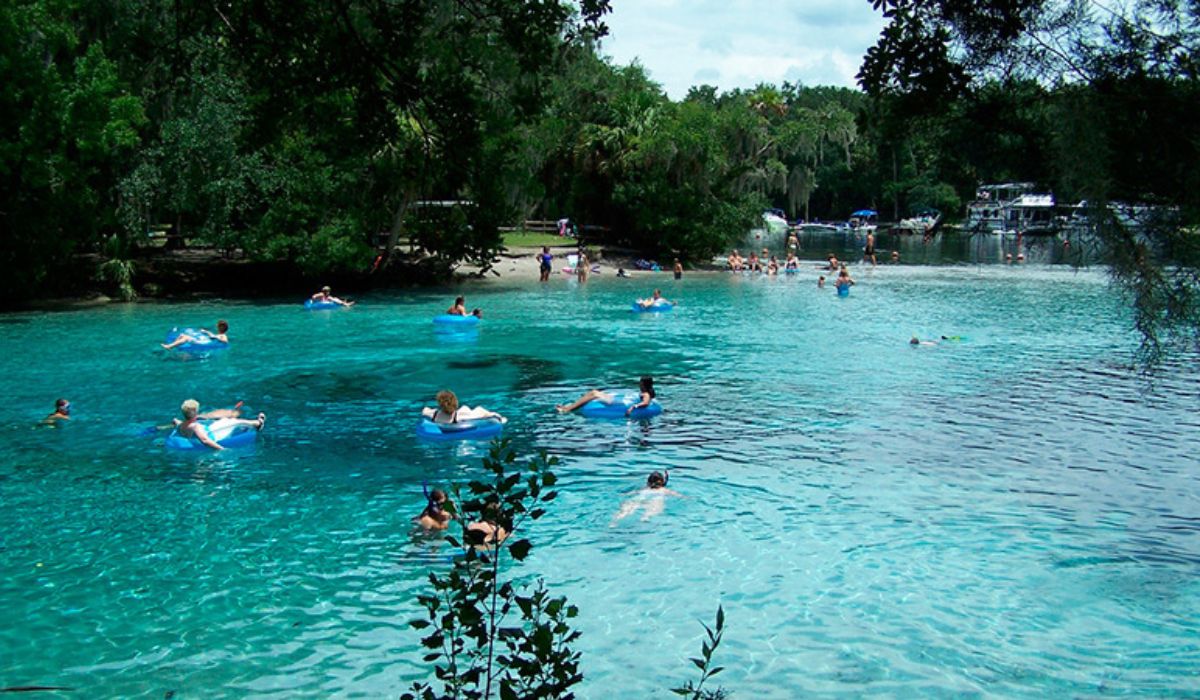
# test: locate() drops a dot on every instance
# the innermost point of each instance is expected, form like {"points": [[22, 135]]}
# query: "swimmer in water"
{"points": [[436, 515], [915, 342], [62, 411], [645, 388], [843, 279], [457, 308], [220, 336], [489, 530], [649, 500]]}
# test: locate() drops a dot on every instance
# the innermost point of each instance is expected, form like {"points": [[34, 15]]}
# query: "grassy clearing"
{"points": [[529, 239]]}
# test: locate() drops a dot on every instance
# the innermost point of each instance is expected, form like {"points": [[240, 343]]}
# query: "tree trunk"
{"points": [[406, 201]]}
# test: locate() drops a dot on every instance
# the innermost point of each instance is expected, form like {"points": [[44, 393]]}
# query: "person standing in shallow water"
{"points": [[678, 269], [583, 266], [545, 259]]}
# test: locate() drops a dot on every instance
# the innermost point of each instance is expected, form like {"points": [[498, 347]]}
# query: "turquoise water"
{"points": [[1016, 514]]}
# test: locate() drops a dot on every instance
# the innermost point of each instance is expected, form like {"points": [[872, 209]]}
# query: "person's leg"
{"points": [[183, 338], [591, 395]]}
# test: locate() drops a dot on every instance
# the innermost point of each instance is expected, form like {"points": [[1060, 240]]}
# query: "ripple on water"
{"points": [[1008, 514]]}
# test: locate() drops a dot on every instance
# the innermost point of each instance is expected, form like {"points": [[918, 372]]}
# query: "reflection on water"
{"points": [[1013, 513]]}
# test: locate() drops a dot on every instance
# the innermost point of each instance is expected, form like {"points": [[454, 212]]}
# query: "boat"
{"points": [[864, 221], [1011, 208], [925, 223]]}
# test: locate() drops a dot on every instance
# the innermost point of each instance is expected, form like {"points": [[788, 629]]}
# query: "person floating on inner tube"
{"points": [[649, 500], [220, 336], [325, 296], [62, 411], [655, 299], [645, 388], [459, 309], [436, 516], [448, 411], [187, 428]]}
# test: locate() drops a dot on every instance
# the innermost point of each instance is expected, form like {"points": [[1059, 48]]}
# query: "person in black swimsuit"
{"points": [[869, 251], [448, 410], [545, 257]]}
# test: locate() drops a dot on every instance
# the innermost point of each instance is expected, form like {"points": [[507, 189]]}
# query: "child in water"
{"points": [[649, 500]]}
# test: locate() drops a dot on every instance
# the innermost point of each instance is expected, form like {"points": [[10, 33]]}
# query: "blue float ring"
{"points": [[655, 308], [226, 435], [843, 290], [480, 429], [621, 403], [456, 320], [203, 343], [312, 305]]}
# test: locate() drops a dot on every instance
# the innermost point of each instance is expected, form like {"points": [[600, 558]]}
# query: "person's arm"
{"points": [[641, 404], [202, 436]]}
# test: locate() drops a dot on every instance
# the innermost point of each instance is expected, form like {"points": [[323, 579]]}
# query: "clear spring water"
{"points": [[1015, 514]]}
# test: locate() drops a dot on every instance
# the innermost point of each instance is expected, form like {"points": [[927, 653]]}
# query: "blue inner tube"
{"points": [[321, 305], [843, 290], [202, 342], [455, 320], [657, 307], [481, 429], [621, 402], [225, 432]]}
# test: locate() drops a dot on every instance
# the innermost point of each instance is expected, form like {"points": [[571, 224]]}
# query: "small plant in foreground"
{"points": [[477, 650], [695, 690]]}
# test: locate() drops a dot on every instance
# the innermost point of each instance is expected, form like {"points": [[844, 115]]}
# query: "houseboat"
{"points": [[1013, 208]]}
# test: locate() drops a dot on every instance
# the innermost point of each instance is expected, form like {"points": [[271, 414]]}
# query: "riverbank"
{"points": [[195, 274]]}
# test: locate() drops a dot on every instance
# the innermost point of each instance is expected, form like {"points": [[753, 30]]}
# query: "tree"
{"points": [[477, 649], [1126, 76]]}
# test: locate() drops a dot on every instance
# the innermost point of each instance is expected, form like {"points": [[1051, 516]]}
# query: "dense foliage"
{"points": [[320, 134], [1101, 97]]}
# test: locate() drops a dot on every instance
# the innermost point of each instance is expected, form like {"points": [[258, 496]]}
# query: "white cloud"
{"points": [[741, 43]]}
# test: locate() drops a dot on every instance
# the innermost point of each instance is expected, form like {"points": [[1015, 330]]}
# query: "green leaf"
{"points": [[699, 663], [520, 549], [720, 617]]}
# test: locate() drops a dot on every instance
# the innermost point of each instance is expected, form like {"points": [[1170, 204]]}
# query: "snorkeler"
{"points": [[435, 516], [62, 411]]}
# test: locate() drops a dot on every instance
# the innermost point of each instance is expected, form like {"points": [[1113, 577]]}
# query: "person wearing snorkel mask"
{"points": [[62, 411], [435, 516]]}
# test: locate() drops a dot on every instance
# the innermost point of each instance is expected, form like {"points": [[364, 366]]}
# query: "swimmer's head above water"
{"points": [[657, 480]]}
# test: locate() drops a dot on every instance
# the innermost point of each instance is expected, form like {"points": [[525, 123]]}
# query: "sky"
{"points": [[741, 43]]}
